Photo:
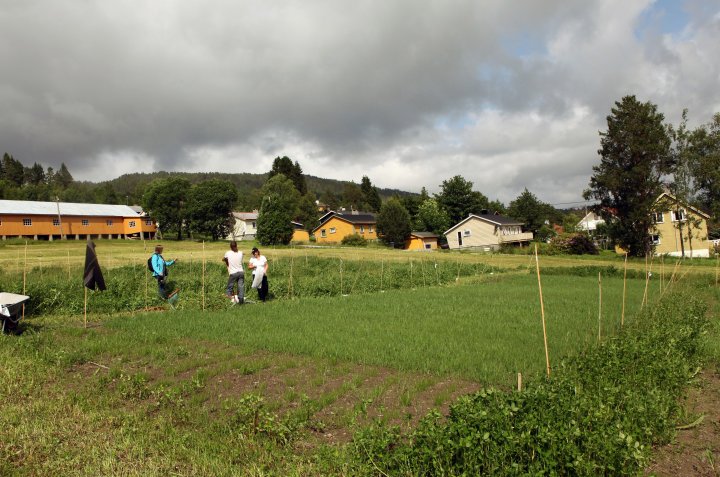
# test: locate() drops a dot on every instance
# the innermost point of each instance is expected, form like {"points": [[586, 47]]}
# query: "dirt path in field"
{"points": [[696, 451]]}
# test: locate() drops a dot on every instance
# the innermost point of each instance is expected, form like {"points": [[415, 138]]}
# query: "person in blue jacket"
{"points": [[160, 272]]}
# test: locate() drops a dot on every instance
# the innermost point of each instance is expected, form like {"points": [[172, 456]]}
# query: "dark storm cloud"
{"points": [[390, 89]]}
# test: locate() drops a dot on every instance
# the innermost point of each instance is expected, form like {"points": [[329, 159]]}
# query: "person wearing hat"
{"points": [[259, 265], [159, 269]]}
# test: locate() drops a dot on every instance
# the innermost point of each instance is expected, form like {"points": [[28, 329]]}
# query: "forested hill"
{"points": [[248, 184]]}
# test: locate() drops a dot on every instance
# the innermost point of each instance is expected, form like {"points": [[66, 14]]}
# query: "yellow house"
{"points": [[299, 233], [54, 220], [678, 227], [421, 241], [334, 226]]}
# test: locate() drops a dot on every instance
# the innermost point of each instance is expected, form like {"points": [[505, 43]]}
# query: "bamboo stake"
{"points": [[599, 306], [382, 271], [25, 268], [542, 313], [290, 284], [622, 317], [457, 278], [647, 278], [203, 275], [519, 382], [437, 274]]}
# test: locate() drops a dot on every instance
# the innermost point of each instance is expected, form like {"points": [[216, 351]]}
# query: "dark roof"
{"points": [[500, 219], [352, 217], [423, 234]]}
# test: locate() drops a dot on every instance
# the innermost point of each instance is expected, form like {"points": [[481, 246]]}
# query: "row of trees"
{"points": [[640, 157]]}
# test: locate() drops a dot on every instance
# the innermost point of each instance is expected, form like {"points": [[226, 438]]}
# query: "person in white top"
{"points": [[236, 274], [259, 265]]}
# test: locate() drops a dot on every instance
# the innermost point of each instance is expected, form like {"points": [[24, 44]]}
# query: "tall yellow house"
{"points": [[334, 226], [679, 226]]}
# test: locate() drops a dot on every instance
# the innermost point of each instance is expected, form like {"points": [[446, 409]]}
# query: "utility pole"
{"points": [[62, 233]]}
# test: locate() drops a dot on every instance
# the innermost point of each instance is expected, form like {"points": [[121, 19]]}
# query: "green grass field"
{"points": [[279, 388]]}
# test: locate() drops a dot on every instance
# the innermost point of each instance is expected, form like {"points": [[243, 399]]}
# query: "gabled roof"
{"points": [[705, 215], [423, 235], [32, 207], [355, 218], [245, 215], [491, 219]]}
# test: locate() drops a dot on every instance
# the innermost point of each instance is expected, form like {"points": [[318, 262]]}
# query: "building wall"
{"points": [[300, 235], [670, 239], [42, 225], [419, 243], [342, 230], [482, 234]]}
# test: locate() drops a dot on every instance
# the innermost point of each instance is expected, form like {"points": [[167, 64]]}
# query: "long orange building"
{"points": [[55, 220]]}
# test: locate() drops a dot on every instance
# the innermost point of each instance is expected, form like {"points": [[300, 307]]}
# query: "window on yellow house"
{"points": [[27, 222], [332, 230]]}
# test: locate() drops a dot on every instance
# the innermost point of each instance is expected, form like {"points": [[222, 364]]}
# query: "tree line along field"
{"points": [[284, 388]]}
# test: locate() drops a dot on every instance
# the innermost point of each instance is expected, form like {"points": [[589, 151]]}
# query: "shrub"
{"points": [[354, 240], [573, 244]]}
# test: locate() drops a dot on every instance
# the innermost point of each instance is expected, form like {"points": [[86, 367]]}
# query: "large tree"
{"points": [[209, 207], [164, 200], [634, 155], [705, 165], [393, 223], [431, 217], [530, 211], [458, 199], [279, 205], [13, 170], [372, 196], [284, 165]]}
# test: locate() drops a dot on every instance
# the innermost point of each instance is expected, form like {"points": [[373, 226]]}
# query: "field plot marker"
{"points": [[622, 316], [542, 313], [519, 382], [203, 275], [599, 306]]}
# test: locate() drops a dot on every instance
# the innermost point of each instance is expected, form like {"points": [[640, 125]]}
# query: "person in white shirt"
{"points": [[236, 274], [259, 265]]}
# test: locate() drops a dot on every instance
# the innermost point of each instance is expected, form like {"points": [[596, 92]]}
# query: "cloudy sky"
{"points": [[508, 94]]}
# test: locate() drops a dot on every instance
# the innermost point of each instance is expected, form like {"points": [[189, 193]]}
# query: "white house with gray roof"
{"points": [[486, 232]]}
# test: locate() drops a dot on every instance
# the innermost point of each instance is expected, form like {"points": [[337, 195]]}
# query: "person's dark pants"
{"points": [[161, 287], [239, 280], [263, 290]]}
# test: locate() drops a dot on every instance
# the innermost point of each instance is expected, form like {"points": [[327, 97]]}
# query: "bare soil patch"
{"points": [[695, 451]]}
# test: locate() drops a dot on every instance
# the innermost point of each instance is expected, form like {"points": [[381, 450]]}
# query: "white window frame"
{"points": [[131, 224], [655, 238], [659, 215], [362, 229], [683, 215], [148, 222], [332, 230], [27, 222], [109, 222], [56, 222], [85, 222], [466, 233], [322, 233]]}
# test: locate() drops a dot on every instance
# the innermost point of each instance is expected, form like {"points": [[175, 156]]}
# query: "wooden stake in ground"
{"points": [[25, 269], [599, 306], [382, 271], [203, 275], [519, 382], [622, 316], [648, 274], [542, 313]]}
